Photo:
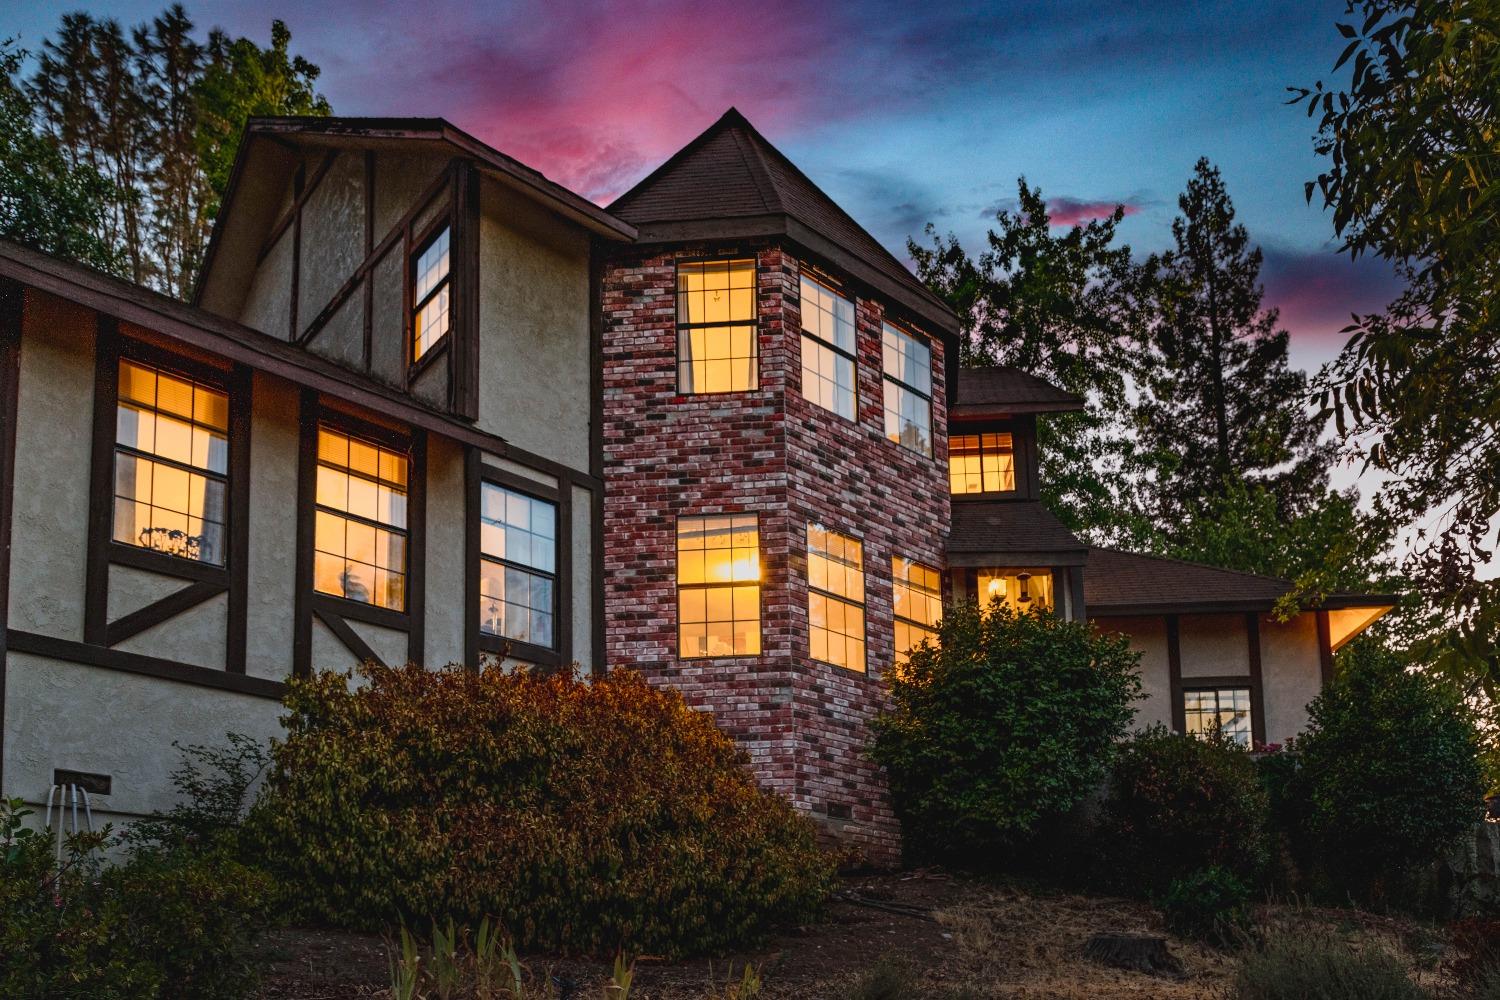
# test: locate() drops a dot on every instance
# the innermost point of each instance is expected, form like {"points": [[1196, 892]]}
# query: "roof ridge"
{"points": [[1189, 562], [755, 164]]}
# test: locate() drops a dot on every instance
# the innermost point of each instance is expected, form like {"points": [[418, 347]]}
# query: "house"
{"points": [[429, 405]]}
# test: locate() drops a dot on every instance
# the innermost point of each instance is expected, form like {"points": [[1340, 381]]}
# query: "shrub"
{"points": [[1179, 804], [584, 817], [1316, 966], [1473, 959], [1211, 905], [1006, 723], [1389, 777], [158, 924]]}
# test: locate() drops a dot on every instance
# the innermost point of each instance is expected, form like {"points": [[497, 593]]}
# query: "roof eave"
{"points": [[996, 411]]}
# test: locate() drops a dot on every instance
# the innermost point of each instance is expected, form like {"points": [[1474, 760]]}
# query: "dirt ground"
{"points": [[955, 938]]}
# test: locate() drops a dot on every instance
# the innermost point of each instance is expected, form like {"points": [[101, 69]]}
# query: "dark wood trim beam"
{"points": [[162, 610], [162, 564], [307, 485], [596, 580], [416, 551], [298, 186], [562, 589], [147, 666], [472, 478], [1209, 681], [1174, 673], [1325, 648], [101, 474], [237, 627], [12, 315], [279, 229], [346, 635], [463, 371], [369, 286], [1257, 692]]}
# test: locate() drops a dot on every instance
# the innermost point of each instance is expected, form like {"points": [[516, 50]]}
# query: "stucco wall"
{"points": [[273, 527], [1291, 673], [534, 328], [1148, 636], [1214, 646]]}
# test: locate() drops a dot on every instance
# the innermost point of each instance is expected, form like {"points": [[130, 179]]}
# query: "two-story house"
{"points": [[430, 406]]}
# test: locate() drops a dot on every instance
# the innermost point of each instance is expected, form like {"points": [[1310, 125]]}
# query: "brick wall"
{"points": [[771, 452]]}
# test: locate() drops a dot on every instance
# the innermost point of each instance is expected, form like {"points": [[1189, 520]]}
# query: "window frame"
{"points": [[902, 386], [678, 586], [864, 606], [898, 654], [958, 430], [490, 642], [414, 366], [753, 322], [836, 288], [1217, 686]]}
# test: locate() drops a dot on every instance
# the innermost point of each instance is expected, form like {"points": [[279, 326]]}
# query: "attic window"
{"points": [[429, 295]]}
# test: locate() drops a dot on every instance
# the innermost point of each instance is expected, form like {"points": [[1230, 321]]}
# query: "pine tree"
{"points": [[1218, 401]]}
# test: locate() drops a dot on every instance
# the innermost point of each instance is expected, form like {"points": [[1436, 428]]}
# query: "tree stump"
{"points": [[1135, 952]]}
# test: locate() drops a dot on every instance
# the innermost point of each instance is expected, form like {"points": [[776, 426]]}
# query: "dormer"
{"points": [[410, 252], [992, 451]]}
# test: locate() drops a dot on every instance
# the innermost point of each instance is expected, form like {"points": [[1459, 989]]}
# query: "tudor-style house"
{"points": [[428, 405]]}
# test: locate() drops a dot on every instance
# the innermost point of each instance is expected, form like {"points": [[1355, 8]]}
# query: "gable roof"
{"points": [[731, 182], [1127, 583], [1000, 389], [1023, 531]]}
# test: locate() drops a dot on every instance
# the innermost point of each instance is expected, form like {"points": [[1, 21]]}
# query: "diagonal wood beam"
{"points": [[157, 612], [280, 228], [348, 636]]}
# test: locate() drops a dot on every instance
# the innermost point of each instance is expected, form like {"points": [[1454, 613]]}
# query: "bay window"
{"points": [[828, 348]]}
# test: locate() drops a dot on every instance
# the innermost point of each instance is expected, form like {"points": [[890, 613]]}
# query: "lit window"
{"points": [[827, 348], [429, 295], [981, 463], [717, 347], [835, 598], [718, 585], [1020, 589], [908, 390], [916, 603], [518, 568], [1229, 708], [360, 521], [171, 464]]}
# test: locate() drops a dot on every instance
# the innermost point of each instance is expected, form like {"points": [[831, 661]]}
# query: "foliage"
{"points": [[1008, 721], [1473, 959], [582, 816], [1412, 177], [1060, 307], [214, 785], [1307, 965], [1389, 776], [1179, 804], [45, 201], [1211, 905], [1219, 402], [143, 126], [159, 924]]}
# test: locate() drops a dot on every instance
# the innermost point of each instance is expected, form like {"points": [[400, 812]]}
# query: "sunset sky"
{"points": [[906, 113]]}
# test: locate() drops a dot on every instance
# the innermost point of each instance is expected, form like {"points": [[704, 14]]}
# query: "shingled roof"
{"points": [[730, 182], [1003, 389], [1021, 531]]}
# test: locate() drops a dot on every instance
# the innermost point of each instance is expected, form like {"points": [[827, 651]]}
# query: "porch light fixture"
{"points": [[1023, 578]]}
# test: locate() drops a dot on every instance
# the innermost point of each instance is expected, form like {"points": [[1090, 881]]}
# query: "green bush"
{"points": [[160, 924], [1315, 966], [1388, 779], [1179, 804], [583, 817], [1212, 906], [1002, 726]]}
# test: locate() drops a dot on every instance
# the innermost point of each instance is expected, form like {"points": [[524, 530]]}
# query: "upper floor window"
{"points": [[1227, 708], [430, 294], [171, 464], [717, 346], [916, 603], [1020, 589], [981, 463], [518, 566], [835, 598], [360, 527], [828, 348], [908, 390], [718, 585]]}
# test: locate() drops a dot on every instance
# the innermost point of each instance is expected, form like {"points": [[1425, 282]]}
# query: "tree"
{"points": [[242, 80], [1004, 724], [1060, 307], [45, 200], [1389, 776], [1219, 402], [1414, 178]]}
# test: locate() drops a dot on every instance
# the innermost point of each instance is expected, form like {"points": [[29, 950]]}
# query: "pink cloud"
{"points": [[1073, 212]]}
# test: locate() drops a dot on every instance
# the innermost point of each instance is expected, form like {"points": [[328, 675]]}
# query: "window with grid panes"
{"points": [[981, 463], [360, 529], [828, 346], [430, 295], [1229, 708], [835, 598], [907, 361], [518, 565], [916, 604], [718, 585], [717, 346]]}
